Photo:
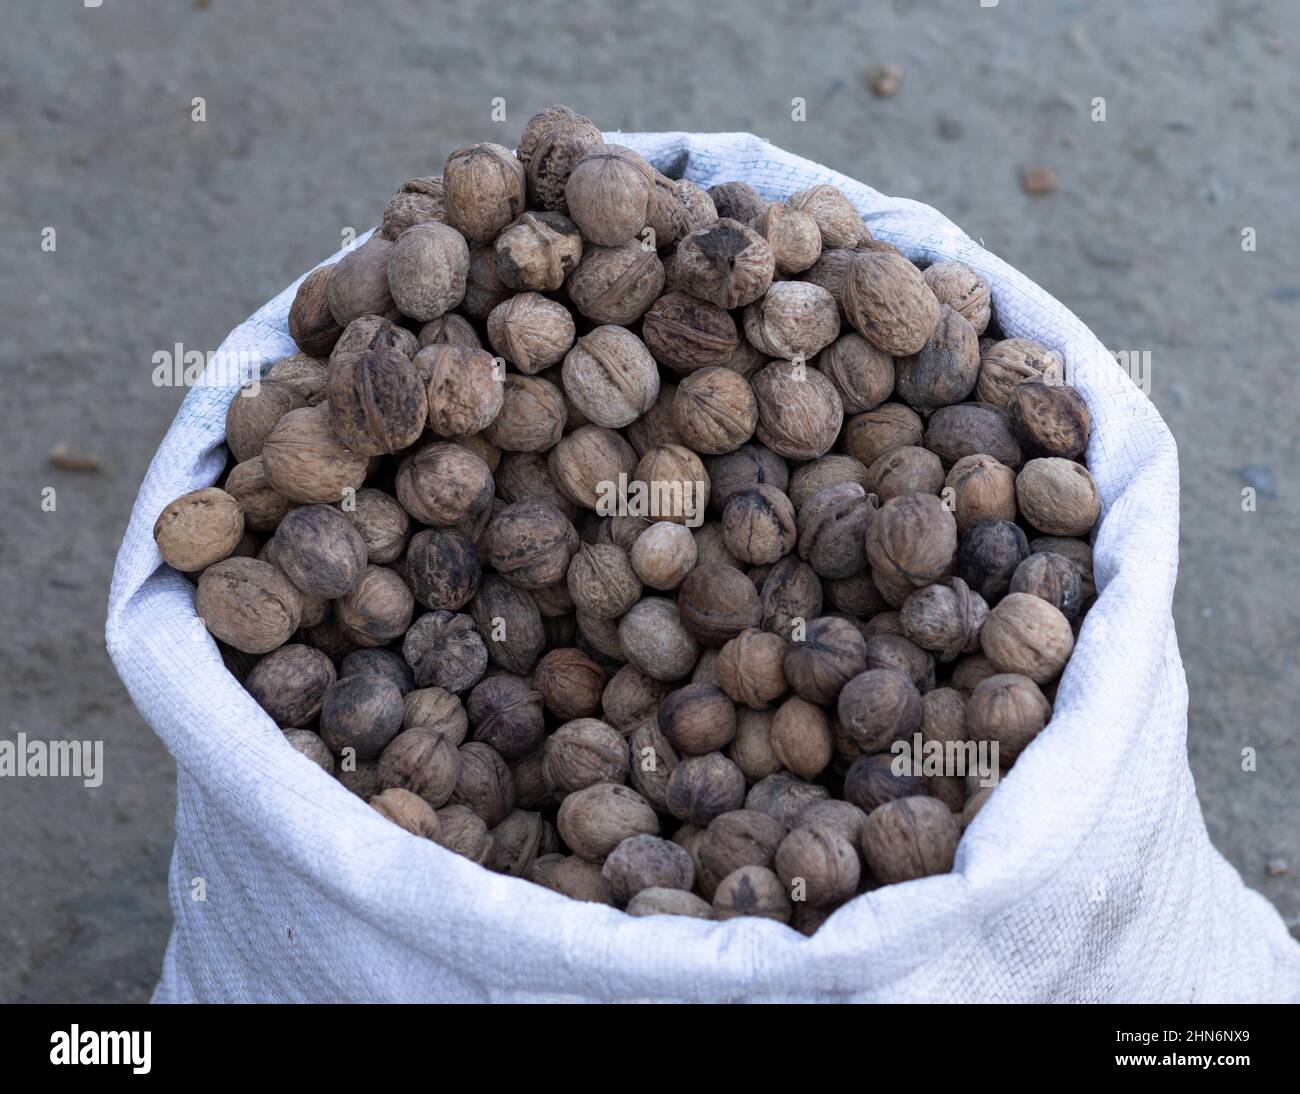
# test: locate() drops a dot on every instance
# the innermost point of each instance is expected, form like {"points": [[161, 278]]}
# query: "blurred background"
{"points": [[172, 230]]}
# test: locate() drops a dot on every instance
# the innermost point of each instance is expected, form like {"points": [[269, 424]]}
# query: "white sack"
{"points": [[1088, 875]]}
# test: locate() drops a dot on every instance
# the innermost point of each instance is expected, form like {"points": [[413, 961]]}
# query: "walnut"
{"points": [[988, 555], [630, 697], [583, 753], [531, 418], [793, 235], [833, 527], [408, 811], [595, 820], [742, 837], [758, 525], [655, 427], [463, 832], [981, 489], [289, 684], [906, 470], [1010, 362], [831, 652], [715, 603], [377, 609], [358, 283], [610, 376], [655, 640], [570, 683], [608, 194], [862, 374], [538, 251], [1057, 496], [518, 840], [254, 412], [553, 141], [304, 459], [377, 402], [442, 484], [616, 284], [819, 864], [699, 206], [962, 289], [801, 737], [511, 623], [529, 543], [893, 651], [969, 671], [751, 749], [422, 762], [944, 370], [666, 215], [248, 604], [750, 668], [913, 538], [198, 529], [970, 428], [601, 581], [793, 320], [815, 476], [1026, 635], [1008, 709], [785, 798], [752, 891], [464, 392], [1049, 419], [799, 411], [530, 331], [872, 782], [836, 218], [362, 712], [381, 662], [888, 302], [435, 710], [446, 651], [749, 465], [417, 201], [646, 862], [660, 901], [663, 555], [449, 330], [484, 783], [686, 334], [584, 461], [372, 332], [737, 201], [484, 190], [791, 593], [945, 619], [306, 375], [725, 263], [704, 787], [310, 745], [674, 482], [426, 270], [910, 838], [484, 289], [311, 323], [697, 719], [870, 435], [1053, 578]]}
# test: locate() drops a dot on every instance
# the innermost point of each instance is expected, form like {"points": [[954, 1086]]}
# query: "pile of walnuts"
{"points": [[433, 564]]}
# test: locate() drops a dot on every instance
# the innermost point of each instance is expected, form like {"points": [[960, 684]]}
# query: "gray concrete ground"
{"points": [[174, 230]]}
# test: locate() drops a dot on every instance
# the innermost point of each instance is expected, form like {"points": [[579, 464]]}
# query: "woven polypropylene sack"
{"points": [[1087, 876]]}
